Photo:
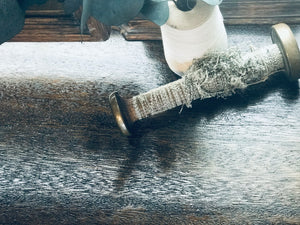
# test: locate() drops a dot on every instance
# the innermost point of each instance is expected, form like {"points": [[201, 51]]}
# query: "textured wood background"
{"points": [[49, 22], [260, 12], [63, 159]]}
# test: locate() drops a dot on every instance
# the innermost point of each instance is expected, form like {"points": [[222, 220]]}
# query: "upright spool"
{"points": [[191, 34]]}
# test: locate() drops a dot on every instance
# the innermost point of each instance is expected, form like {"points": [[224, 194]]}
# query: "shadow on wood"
{"points": [[63, 159]]}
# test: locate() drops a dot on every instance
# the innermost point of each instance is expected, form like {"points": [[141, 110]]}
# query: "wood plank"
{"points": [[49, 22], [59, 28], [45, 12], [56, 37], [63, 159], [256, 11], [235, 12]]}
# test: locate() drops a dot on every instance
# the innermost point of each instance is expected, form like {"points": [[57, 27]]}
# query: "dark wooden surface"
{"points": [[260, 12], [49, 22], [63, 159]]}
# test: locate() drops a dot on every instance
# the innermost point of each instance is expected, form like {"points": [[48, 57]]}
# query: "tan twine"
{"points": [[217, 74]]}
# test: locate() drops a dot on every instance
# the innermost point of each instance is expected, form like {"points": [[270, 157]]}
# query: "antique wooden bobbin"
{"points": [[283, 55]]}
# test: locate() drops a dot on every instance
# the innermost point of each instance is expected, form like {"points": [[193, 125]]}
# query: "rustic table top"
{"points": [[63, 159]]}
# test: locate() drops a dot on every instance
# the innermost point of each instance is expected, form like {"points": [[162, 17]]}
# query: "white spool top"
{"points": [[187, 20], [191, 34]]}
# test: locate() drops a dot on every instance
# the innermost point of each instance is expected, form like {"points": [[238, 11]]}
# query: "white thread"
{"points": [[193, 36], [215, 75]]}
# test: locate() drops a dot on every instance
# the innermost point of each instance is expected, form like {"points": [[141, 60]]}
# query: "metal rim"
{"points": [[116, 105], [283, 36]]}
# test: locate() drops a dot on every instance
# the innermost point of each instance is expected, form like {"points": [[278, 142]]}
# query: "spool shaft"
{"points": [[283, 55]]}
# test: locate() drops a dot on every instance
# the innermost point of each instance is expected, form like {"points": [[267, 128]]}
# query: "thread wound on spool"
{"points": [[220, 74], [217, 74]]}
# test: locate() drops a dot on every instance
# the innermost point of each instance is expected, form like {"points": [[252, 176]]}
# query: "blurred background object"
{"points": [[60, 20]]}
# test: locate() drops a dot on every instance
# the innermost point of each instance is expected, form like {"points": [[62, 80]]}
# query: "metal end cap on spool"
{"points": [[116, 104], [284, 38]]}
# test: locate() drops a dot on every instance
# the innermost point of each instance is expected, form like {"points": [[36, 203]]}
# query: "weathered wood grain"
{"points": [[49, 22], [261, 12], [43, 20], [140, 29], [63, 159]]}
